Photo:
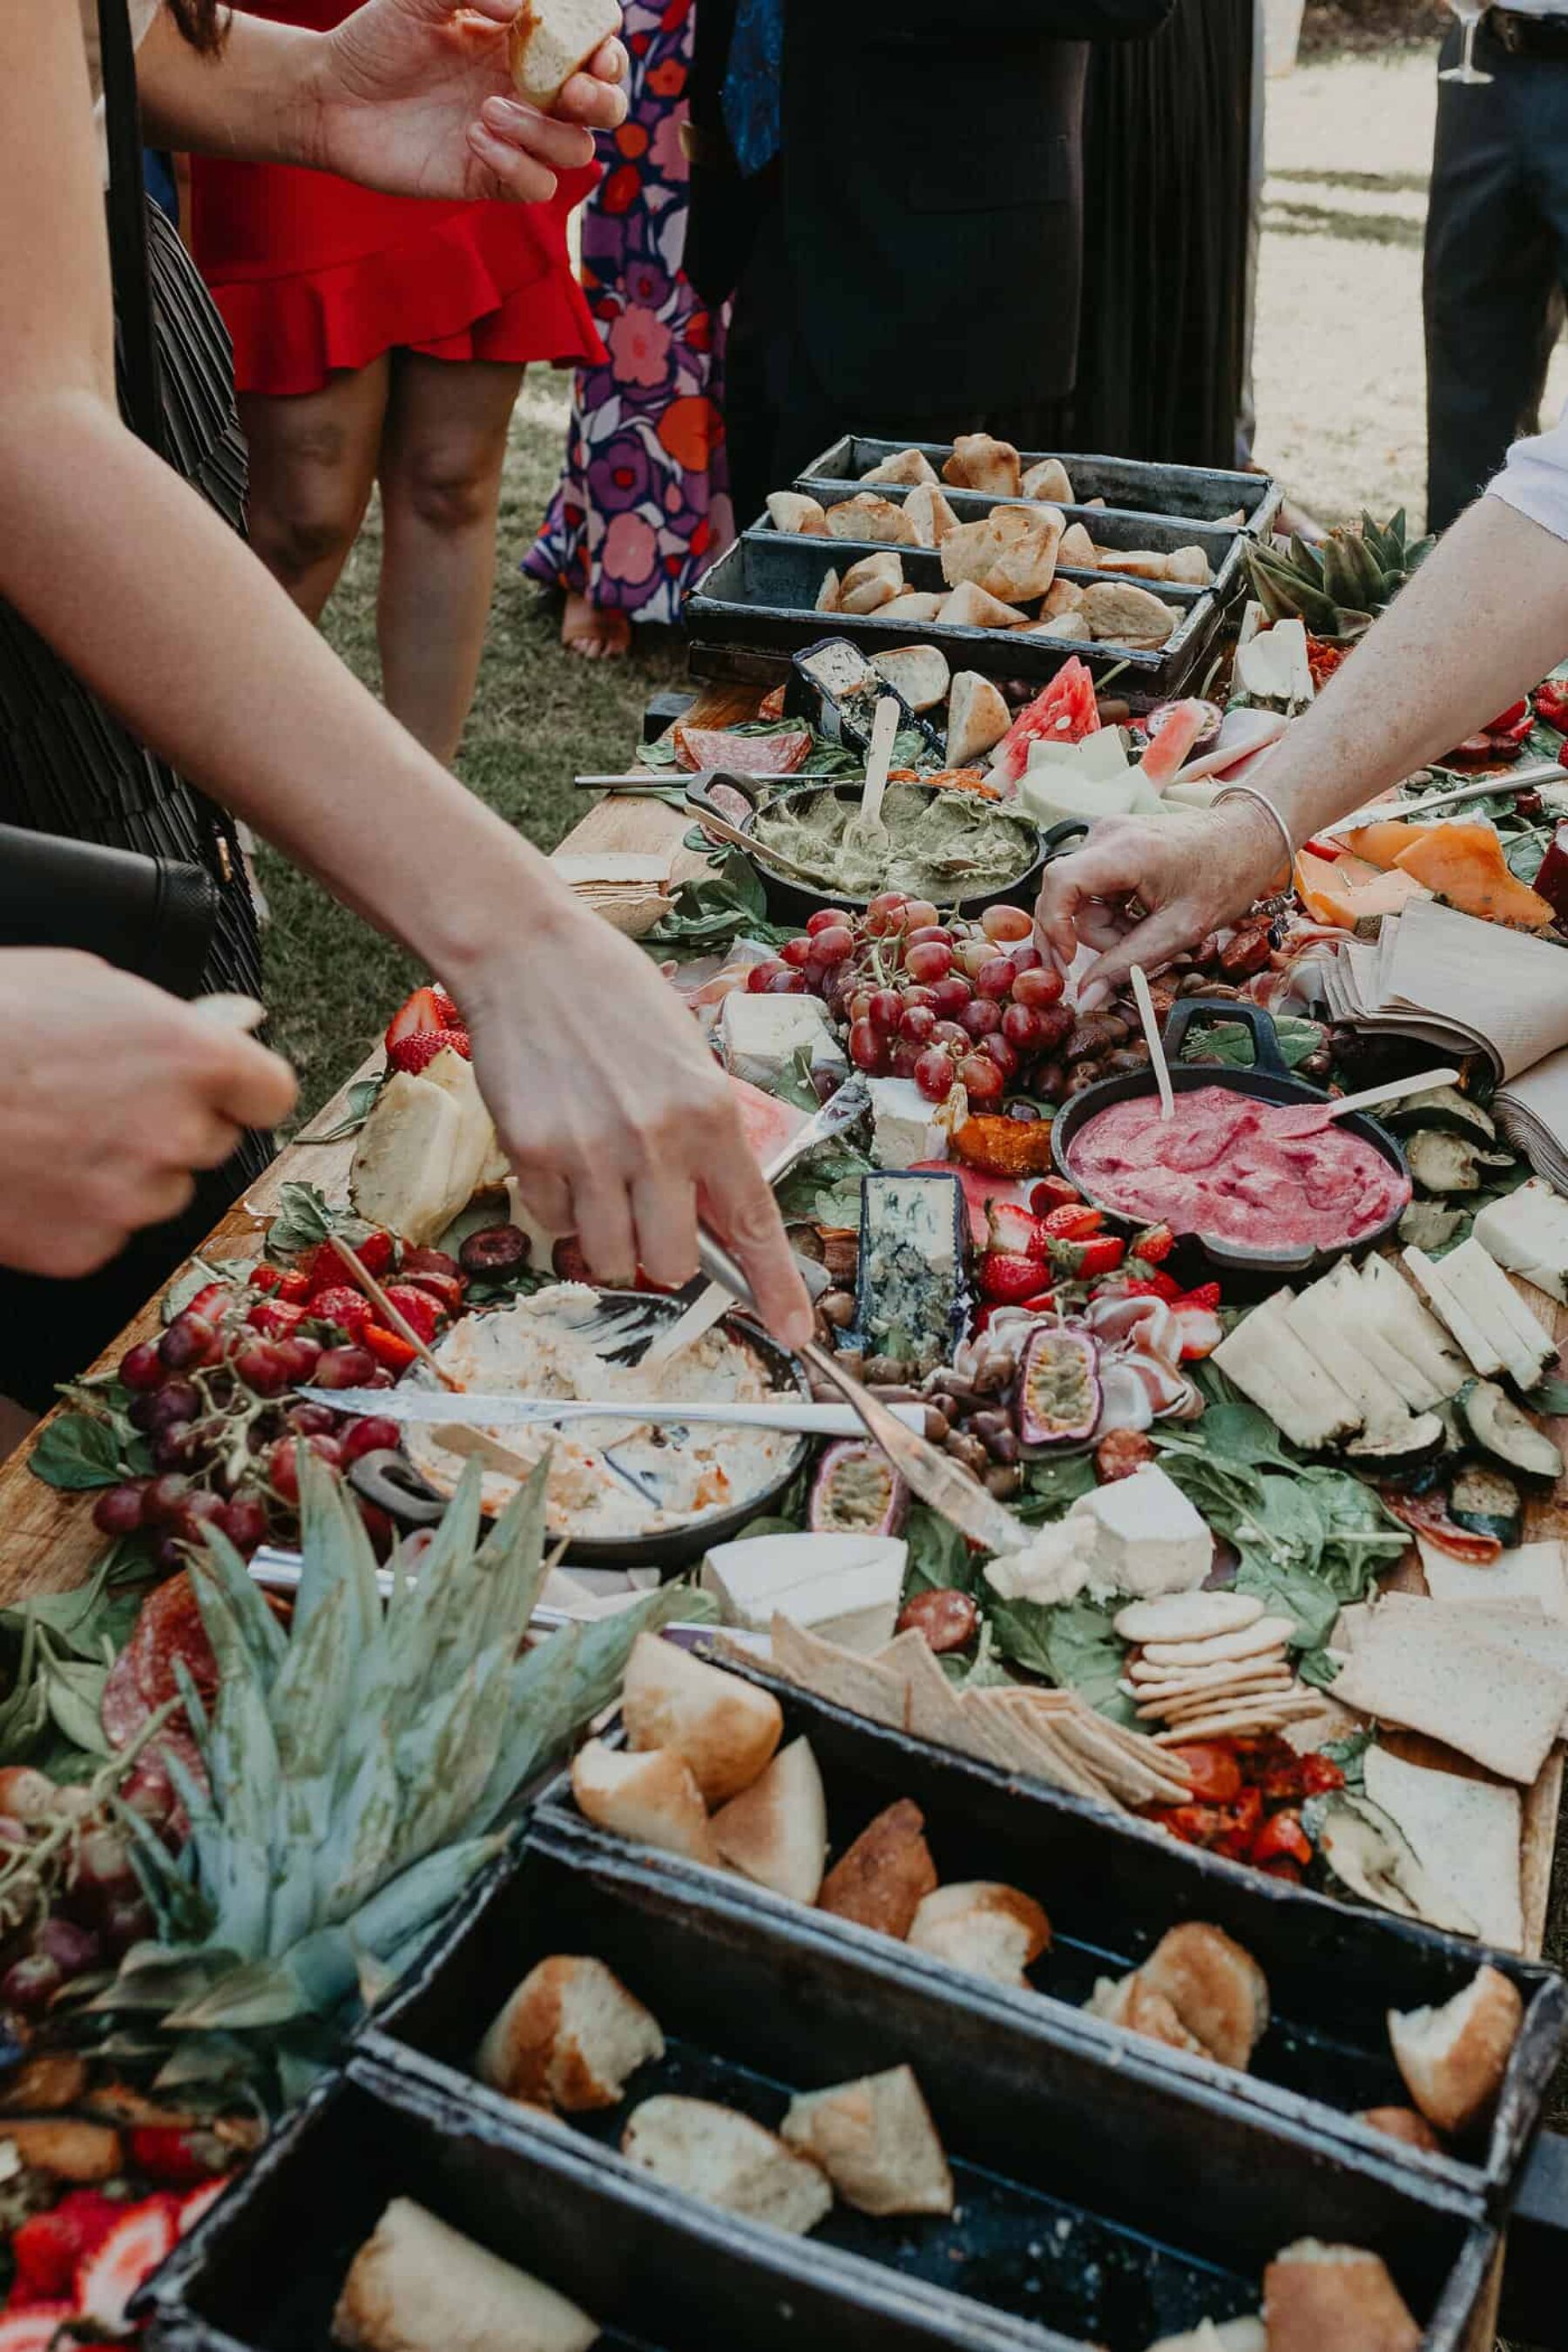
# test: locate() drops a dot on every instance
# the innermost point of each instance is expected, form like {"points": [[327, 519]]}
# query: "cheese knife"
{"points": [[800, 1415]]}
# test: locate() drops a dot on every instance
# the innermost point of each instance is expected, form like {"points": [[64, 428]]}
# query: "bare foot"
{"points": [[596, 632]]}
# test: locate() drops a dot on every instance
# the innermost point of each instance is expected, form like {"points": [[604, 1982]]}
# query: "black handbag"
{"points": [[151, 915]]}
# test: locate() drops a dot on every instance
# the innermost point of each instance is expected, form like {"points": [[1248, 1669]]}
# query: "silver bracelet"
{"points": [[1251, 792]]}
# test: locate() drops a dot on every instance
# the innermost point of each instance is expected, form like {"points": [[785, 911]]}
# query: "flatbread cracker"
{"points": [[840, 1676], [1051, 1759], [1268, 1716], [1145, 1678], [1267, 1633], [1187, 1616]]}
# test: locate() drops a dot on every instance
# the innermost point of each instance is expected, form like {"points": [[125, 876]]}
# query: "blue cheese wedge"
{"points": [[764, 1039], [911, 1291]]}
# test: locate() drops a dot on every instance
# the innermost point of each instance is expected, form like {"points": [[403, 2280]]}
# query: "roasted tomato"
{"points": [[1426, 1514], [1212, 1766]]}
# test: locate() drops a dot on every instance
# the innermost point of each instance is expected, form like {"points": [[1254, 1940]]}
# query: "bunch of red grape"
{"points": [[971, 1004], [89, 1907]]}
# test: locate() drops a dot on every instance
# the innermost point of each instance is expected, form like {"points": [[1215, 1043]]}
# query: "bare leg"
{"points": [[595, 632], [312, 466], [442, 454]]}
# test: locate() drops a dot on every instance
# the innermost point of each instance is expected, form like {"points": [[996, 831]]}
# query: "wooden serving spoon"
{"points": [[1295, 1119]]}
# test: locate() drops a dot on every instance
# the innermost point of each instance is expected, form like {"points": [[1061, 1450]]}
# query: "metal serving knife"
{"points": [[800, 1415]]}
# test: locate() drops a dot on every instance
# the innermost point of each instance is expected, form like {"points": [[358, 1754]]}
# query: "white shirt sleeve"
{"points": [[1535, 481]]}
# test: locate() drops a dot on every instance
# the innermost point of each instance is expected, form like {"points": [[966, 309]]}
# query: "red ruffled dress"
{"points": [[312, 273]]}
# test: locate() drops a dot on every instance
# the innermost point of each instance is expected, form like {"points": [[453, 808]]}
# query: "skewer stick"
{"points": [[391, 1315], [1150, 1019]]}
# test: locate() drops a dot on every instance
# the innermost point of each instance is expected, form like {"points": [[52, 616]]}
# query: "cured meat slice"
{"points": [[744, 755]]}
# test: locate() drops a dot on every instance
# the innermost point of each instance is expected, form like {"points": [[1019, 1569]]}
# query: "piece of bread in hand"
{"points": [[1454, 2058], [550, 40], [1215, 1988], [651, 1798], [1319, 2298], [977, 718], [875, 2141], [568, 2037], [986, 1930], [920, 673], [929, 514], [908, 466], [980, 462], [1402, 2123], [725, 1727], [776, 1831], [723, 2157], [792, 510], [883, 1878], [1129, 2003], [417, 2286], [867, 517], [1048, 478]]}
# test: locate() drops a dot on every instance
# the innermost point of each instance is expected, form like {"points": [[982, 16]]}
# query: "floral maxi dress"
{"points": [[643, 506]]}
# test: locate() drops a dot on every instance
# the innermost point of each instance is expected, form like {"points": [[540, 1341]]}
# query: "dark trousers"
{"points": [[779, 412], [1496, 264]]}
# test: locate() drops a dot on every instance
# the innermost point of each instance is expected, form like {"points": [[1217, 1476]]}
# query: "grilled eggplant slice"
{"points": [[1487, 1501], [1499, 1428]]}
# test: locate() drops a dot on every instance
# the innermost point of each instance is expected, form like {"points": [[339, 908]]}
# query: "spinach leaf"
{"points": [[1050, 1485], [76, 1452], [1073, 1645], [825, 1189], [940, 1559], [304, 1219], [358, 1105], [711, 911], [1230, 1041]]}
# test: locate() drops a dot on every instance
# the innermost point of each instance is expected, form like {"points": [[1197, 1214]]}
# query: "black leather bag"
{"points": [[151, 915]]}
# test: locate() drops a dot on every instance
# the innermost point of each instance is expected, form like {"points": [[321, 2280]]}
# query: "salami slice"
{"points": [[123, 1710], [745, 755], [171, 1627]]}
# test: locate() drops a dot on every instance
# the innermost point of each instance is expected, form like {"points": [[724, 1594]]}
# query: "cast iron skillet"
{"points": [[390, 1479], [1268, 1080], [794, 902]]}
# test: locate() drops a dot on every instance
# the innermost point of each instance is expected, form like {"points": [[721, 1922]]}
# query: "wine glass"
{"points": [[1469, 13]]}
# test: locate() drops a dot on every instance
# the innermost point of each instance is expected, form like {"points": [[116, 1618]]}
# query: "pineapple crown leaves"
{"points": [[357, 1769], [1334, 588]]}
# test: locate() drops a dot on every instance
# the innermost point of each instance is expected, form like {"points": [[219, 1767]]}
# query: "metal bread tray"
{"points": [[1138, 485], [1111, 1886]]}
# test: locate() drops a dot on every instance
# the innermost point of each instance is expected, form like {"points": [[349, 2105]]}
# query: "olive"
{"points": [[1049, 1081], [807, 1241], [999, 1373], [938, 1428], [1126, 1060], [1192, 983], [837, 1309], [841, 1256], [1003, 1447], [1079, 1077], [970, 1451], [1003, 1480], [989, 1424], [942, 1400], [886, 1371]]}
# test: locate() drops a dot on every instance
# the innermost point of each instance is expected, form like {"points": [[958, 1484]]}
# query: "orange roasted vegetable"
{"points": [[1348, 891], [1464, 864], [1380, 843], [1005, 1147]]}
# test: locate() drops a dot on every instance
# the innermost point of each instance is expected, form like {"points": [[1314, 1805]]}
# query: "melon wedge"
{"points": [[769, 1123], [1464, 864], [1348, 891], [1380, 843]]}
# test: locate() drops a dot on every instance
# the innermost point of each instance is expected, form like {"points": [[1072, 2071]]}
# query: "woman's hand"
{"points": [[415, 97], [1142, 889], [619, 1123], [110, 1094]]}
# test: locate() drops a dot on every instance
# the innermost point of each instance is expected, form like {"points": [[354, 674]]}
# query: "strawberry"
{"points": [[445, 1289], [47, 2247], [1052, 1193], [109, 2276], [296, 1288], [1200, 1330], [1150, 1286], [1009, 1279], [1154, 1245], [1075, 1220], [274, 1319], [390, 1348], [211, 1302], [418, 1308], [173, 2155], [33, 2326], [416, 1053], [426, 1261], [1086, 1260], [342, 1307], [567, 1260], [450, 1016], [324, 1269], [1014, 1230], [265, 1276], [428, 1008], [1205, 1297]]}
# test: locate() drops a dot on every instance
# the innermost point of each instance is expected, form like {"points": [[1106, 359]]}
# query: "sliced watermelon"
{"points": [[197, 2202], [109, 2277], [1184, 723], [33, 2328], [1063, 712], [769, 1123]]}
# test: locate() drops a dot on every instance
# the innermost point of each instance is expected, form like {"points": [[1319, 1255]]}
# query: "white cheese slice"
{"points": [[1319, 1320], [1415, 1331], [1520, 1339], [1535, 1572], [808, 1579], [1098, 759], [1354, 1306], [1527, 1231], [1145, 1536], [1277, 1373], [1455, 1311], [1464, 1832], [762, 1038], [903, 1129]]}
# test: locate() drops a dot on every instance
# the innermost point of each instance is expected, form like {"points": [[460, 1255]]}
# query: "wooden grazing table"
{"points": [[48, 1541]]}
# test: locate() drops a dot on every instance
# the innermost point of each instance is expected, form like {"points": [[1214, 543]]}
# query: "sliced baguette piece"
{"points": [[1117, 610], [930, 515], [712, 2152], [875, 580], [568, 2037], [1215, 1988], [882, 1879], [980, 462], [1319, 2298], [918, 604], [726, 1728], [1402, 2123], [868, 517], [970, 607], [550, 40], [1077, 549], [977, 719], [1137, 2008], [417, 2286], [985, 1928], [1048, 478], [651, 1799], [875, 2141], [1453, 2058], [792, 512], [907, 465], [920, 673], [776, 1831]]}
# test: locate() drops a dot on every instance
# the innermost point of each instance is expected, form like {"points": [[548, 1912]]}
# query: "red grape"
{"points": [[974, 953], [125, 1924], [374, 1434], [344, 1367], [916, 1022], [262, 1368], [30, 1984], [1025, 956], [885, 1006], [283, 1469], [979, 1079], [979, 1019], [1038, 986], [195, 1512], [299, 1356], [996, 979], [933, 1073], [1006, 923], [860, 1006], [73, 1949], [175, 1401], [927, 935], [188, 1340], [919, 995], [865, 1046], [118, 1511], [833, 944], [825, 919], [142, 1367], [786, 983], [379, 1527], [759, 976], [1056, 1025], [919, 914], [999, 1051], [1022, 1026], [951, 995], [313, 1420], [906, 1053], [797, 953], [885, 913], [163, 1499], [930, 961], [949, 1033], [244, 1522], [103, 1872]]}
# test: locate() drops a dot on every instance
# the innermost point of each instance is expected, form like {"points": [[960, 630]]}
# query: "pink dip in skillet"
{"points": [[1217, 1167]]}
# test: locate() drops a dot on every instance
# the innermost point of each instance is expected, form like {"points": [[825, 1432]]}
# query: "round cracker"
{"points": [[1268, 1716], [1160, 1677], [1267, 1634], [1187, 1616]]}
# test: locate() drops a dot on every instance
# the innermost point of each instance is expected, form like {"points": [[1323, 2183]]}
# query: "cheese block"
{"points": [[1276, 1372], [904, 1130], [845, 1589], [1144, 1538], [910, 1297], [1464, 1832], [1319, 1320], [1527, 1231], [404, 1159], [765, 1039]]}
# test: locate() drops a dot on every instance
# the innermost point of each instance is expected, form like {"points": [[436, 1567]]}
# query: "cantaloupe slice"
{"points": [[1464, 864], [1380, 843], [1348, 891]]}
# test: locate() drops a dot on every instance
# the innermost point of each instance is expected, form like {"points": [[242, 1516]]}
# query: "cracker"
{"points": [[1187, 1616], [1267, 1633], [1146, 1678], [839, 1676], [1268, 1717]]}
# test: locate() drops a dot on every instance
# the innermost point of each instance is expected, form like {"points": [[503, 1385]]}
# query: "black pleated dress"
{"points": [[68, 767]]}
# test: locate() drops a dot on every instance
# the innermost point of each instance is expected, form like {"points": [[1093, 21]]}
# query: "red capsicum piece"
{"points": [[1281, 1837]]}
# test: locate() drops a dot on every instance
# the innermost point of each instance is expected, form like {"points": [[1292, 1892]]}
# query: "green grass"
{"points": [[540, 718]]}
